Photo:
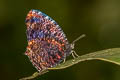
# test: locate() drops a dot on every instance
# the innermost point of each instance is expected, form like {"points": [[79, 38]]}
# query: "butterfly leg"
{"points": [[74, 54], [64, 60]]}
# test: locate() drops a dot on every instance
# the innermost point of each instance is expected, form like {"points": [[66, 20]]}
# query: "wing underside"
{"points": [[47, 43]]}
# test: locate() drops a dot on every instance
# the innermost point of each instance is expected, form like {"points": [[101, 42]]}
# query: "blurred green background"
{"points": [[98, 19]]}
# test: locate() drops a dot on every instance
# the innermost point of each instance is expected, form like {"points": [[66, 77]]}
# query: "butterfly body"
{"points": [[47, 43]]}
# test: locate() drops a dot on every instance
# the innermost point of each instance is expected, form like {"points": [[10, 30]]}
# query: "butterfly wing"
{"points": [[47, 43]]}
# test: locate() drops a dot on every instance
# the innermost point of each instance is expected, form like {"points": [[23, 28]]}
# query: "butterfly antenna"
{"points": [[80, 37]]}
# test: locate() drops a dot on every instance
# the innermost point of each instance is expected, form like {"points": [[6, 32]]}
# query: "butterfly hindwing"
{"points": [[47, 43]]}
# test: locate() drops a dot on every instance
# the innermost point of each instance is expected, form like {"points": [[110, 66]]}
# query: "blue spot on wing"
{"points": [[32, 34], [44, 15], [32, 20], [36, 19], [41, 34]]}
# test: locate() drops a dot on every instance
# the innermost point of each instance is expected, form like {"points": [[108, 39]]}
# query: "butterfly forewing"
{"points": [[47, 43]]}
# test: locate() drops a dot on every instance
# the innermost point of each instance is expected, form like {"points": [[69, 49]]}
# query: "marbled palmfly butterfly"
{"points": [[47, 43]]}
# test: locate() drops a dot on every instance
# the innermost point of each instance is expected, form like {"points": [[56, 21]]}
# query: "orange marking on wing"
{"points": [[58, 56], [31, 42], [52, 59], [39, 58]]}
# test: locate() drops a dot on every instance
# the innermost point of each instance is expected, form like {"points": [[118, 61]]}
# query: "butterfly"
{"points": [[47, 43]]}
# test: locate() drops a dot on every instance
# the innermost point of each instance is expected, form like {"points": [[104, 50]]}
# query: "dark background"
{"points": [[98, 19]]}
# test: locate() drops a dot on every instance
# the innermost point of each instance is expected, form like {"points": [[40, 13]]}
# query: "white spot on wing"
{"points": [[39, 12], [47, 17], [33, 12], [57, 26], [52, 21]]}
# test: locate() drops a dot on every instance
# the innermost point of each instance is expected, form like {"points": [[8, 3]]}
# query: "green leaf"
{"points": [[110, 55], [34, 75]]}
